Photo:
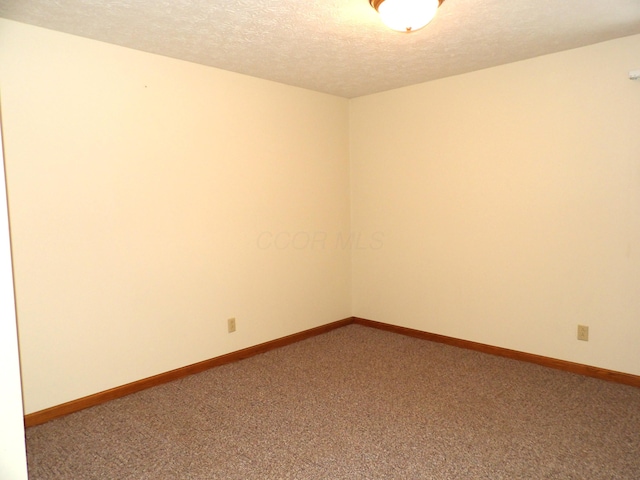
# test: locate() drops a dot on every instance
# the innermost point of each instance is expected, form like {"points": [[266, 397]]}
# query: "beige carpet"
{"points": [[355, 403]]}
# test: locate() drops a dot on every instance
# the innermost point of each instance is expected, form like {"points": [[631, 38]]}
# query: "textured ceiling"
{"points": [[336, 46]]}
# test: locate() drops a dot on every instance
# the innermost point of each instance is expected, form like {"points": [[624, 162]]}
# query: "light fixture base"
{"points": [[376, 3]]}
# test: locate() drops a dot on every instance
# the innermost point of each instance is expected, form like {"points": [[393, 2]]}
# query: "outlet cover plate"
{"points": [[583, 333], [231, 325]]}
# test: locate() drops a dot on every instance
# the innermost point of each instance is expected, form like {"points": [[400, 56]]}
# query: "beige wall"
{"points": [[509, 202], [151, 199]]}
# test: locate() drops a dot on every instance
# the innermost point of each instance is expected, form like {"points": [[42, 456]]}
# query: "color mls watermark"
{"points": [[319, 240]]}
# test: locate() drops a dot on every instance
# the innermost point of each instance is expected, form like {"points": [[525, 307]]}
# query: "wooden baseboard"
{"points": [[587, 370], [43, 416]]}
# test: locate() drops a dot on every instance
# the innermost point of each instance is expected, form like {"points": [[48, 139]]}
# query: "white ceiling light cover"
{"points": [[407, 15]]}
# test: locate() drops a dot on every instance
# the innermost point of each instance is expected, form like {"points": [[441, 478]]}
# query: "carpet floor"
{"points": [[354, 403]]}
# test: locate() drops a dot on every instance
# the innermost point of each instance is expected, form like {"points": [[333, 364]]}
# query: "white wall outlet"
{"points": [[583, 333], [231, 325]]}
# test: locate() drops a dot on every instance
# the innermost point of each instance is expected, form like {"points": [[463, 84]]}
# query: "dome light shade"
{"points": [[406, 15]]}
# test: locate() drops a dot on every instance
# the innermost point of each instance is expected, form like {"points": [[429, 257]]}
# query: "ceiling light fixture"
{"points": [[406, 15]]}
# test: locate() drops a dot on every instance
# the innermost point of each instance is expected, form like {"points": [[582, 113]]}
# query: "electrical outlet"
{"points": [[231, 325], [583, 333]]}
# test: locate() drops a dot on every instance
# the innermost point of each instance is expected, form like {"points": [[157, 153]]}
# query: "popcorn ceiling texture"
{"points": [[336, 46]]}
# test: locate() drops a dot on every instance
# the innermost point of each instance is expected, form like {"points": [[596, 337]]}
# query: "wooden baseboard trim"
{"points": [[43, 416], [587, 370]]}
